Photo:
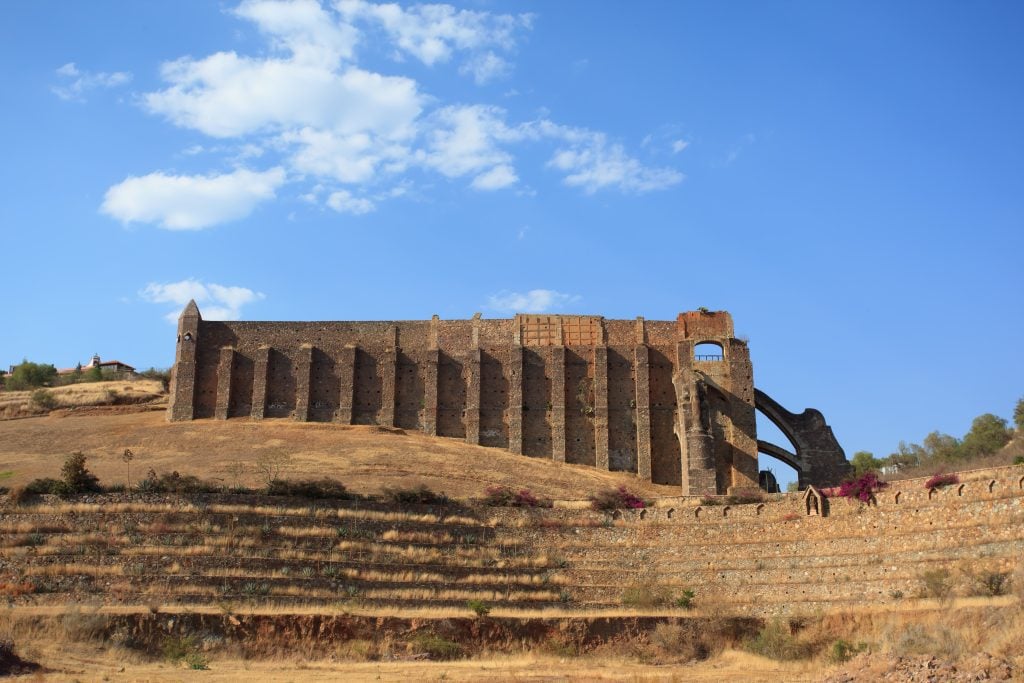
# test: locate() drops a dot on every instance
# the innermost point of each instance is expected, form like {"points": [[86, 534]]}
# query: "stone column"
{"points": [[388, 367], [430, 392], [183, 376], [261, 365], [346, 384], [556, 366], [515, 400], [601, 407], [472, 411], [303, 383], [224, 368], [641, 370]]}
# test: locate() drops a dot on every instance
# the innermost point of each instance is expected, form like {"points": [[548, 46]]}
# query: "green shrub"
{"points": [[308, 488], [776, 641], [77, 477], [44, 399], [844, 651], [44, 485], [420, 495], [478, 607], [685, 601], [177, 648], [436, 646]]}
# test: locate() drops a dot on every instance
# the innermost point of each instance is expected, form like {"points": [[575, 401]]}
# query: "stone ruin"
{"points": [[671, 401]]}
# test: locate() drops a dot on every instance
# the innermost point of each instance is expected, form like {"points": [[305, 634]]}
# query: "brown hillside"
{"points": [[365, 458]]}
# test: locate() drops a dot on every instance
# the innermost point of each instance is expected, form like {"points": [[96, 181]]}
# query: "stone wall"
{"points": [[626, 395]]}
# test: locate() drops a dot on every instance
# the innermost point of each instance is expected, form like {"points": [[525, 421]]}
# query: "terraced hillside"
{"points": [[751, 559]]}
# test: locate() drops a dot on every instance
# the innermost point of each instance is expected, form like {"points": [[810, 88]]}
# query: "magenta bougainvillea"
{"points": [[507, 496], [616, 499], [942, 479], [863, 488]]}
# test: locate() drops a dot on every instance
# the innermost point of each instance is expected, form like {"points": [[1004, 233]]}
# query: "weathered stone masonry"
{"points": [[625, 395]]}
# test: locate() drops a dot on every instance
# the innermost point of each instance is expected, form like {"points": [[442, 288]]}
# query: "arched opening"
{"points": [[780, 462], [1020, 484], [643, 514], [671, 511], [896, 498], [991, 486], [708, 351], [960, 489], [759, 509], [616, 514], [696, 513], [725, 511], [932, 492]]}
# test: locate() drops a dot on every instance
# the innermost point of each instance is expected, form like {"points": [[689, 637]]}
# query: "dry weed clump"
{"points": [[776, 641], [921, 639]]}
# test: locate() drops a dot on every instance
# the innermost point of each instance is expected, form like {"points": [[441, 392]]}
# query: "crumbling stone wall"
{"points": [[625, 395]]}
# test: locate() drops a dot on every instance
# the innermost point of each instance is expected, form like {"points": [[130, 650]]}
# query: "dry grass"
{"points": [[367, 459], [18, 403]]}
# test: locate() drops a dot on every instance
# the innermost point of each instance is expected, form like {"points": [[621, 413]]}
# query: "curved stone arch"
{"points": [[817, 456]]}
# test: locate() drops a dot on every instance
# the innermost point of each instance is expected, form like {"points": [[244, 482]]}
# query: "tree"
{"points": [[1018, 415], [988, 434], [941, 446], [863, 462], [29, 375], [95, 374], [77, 477], [906, 456]]}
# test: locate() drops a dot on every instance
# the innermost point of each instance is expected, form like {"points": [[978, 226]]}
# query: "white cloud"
{"points": [[216, 302], [465, 139], [495, 179], [593, 164], [225, 95], [679, 145], [533, 301], [75, 83], [486, 68], [431, 33], [321, 119], [303, 28], [190, 202], [343, 201]]}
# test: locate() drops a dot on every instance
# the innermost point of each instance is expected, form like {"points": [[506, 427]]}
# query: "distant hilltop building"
{"points": [[671, 401], [107, 367]]}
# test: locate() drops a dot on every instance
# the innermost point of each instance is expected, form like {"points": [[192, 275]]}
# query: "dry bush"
{"points": [[776, 641], [358, 650], [675, 643], [78, 625], [645, 596], [936, 583], [921, 639]]}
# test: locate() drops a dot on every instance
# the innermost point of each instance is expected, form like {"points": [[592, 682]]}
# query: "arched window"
{"points": [[708, 351]]}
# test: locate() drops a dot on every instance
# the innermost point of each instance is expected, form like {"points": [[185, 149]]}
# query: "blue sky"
{"points": [[845, 178]]}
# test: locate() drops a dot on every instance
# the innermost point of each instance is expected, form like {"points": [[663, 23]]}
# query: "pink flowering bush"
{"points": [[863, 488], [506, 496], [616, 499], [942, 479]]}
